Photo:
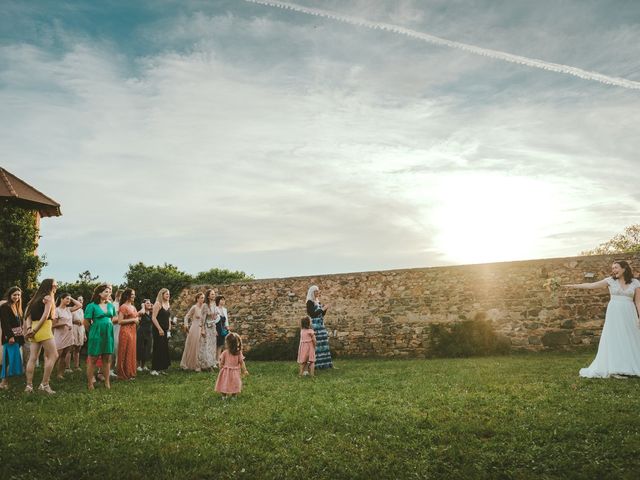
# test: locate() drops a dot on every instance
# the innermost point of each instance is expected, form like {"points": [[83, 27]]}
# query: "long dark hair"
{"points": [[45, 288], [95, 298], [61, 297], [18, 305], [126, 295], [628, 273], [233, 343], [207, 294]]}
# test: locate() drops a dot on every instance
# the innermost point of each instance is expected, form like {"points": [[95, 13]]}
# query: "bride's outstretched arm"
{"points": [[588, 286]]}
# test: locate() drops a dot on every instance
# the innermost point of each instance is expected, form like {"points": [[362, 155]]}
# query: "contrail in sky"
{"points": [[485, 52]]}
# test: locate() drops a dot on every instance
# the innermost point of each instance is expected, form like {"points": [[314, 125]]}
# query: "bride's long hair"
{"points": [[628, 272]]}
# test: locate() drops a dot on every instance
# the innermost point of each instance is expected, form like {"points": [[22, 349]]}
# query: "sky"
{"points": [[237, 135]]}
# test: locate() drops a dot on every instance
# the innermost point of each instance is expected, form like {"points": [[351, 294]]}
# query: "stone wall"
{"points": [[388, 313]]}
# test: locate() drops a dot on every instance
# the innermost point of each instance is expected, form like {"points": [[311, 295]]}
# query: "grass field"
{"points": [[524, 416]]}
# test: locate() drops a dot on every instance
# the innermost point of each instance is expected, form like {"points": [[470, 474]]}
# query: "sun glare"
{"points": [[490, 217]]}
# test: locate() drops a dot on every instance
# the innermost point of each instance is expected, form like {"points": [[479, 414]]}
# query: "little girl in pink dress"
{"points": [[232, 367], [307, 348]]}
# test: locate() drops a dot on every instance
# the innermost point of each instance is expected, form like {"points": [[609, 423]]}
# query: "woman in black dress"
{"points": [[161, 319], [144, 340]]}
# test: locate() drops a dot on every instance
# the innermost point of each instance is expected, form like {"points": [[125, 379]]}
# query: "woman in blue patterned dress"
{"points": [[316, 312]]}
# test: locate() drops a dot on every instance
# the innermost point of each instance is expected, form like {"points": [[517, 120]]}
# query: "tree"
{"points": [[148, 280], [19, 264], [626, 242], [216, 276], [84, 286]]}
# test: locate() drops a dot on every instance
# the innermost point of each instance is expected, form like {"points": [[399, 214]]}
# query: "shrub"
{"points": [[467, 338]]}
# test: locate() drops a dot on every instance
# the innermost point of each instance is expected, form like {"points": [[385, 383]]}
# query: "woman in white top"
{"points": [[619, 348], [222, 323], [79, 334], [63, 329]]}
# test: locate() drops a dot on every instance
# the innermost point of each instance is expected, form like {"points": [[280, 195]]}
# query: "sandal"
{"points": [[46, 388], [4, 386], [28, 389]]}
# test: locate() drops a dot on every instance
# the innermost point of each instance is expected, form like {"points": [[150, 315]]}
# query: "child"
{"points": [[307, 349], [231, 362]]}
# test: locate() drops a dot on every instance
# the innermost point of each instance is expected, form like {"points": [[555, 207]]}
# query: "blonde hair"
{"points": [[160, 295]]}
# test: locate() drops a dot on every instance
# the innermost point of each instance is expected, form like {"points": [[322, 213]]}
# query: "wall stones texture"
{"points": [[389, 313]]}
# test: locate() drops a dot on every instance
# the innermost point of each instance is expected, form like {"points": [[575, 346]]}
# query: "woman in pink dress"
{"points": [[307, 348], [63, 330], [128, 321], [193, 321], [232, 367]]}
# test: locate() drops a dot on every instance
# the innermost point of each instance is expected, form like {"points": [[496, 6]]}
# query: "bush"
{"points": [[216, 276], [283, 349], [466, 339]]}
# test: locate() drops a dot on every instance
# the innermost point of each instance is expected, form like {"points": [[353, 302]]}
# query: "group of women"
{"points": [[58, 327], [207, 325]]}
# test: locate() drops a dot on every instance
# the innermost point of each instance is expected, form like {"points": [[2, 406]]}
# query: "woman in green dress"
{"points": [[98, 320]]}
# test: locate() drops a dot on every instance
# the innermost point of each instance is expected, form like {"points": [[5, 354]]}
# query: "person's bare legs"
{"points": [[34, 351], [50, 357], [91, 365], [106, 369], [312, 368], [75, 357], [62, 362], [301, 370]]}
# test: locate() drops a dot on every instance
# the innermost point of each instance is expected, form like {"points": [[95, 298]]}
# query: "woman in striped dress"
{"points": [[316, 312]]}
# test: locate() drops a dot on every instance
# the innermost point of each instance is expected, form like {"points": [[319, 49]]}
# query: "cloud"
{"points": [[264, 144]]}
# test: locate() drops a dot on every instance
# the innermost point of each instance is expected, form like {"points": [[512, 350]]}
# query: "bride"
{"points": [[619, 348]]}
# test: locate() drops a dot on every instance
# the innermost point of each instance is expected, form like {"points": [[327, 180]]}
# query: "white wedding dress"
{"points": [[619, 347]]}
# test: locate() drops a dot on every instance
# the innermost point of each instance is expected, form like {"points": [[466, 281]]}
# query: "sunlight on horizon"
{"points": [[492, 217]]}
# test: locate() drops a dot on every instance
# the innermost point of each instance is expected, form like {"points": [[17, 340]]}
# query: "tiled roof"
{"points": [[14, 190]]}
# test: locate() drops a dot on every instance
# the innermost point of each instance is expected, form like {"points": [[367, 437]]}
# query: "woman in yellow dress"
{"points": [[39, 316]]}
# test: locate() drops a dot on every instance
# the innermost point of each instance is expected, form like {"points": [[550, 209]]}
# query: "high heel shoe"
{"points": [[46, 388]]}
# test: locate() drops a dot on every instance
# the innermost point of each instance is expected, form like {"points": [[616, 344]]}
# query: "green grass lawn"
{"points": [[524, 416]]}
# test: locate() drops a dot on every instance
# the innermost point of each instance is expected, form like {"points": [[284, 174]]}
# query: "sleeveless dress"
{"points": [[229, 379], [100, 340], [45, 331], [64, 335], [160, 358], [192, 342], [126, 368], [144, 338], [323, 353], [306, 352], [619, 347]]}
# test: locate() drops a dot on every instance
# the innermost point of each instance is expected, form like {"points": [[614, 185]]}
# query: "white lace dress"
{"points": [[619, 347]]}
